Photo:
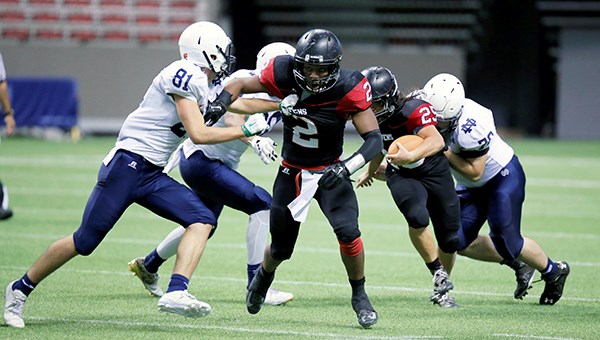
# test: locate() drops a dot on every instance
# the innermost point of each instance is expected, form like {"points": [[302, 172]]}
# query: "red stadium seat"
{"points": [[116, 35], [147, 20], [147, 4], [15, 33], [12, 16], [49, 34], [147, 37], [80, 18], [42, 2], [114, 19], [45, 17], [182, 4], [77, 3], [83, 35], [112, 3]]}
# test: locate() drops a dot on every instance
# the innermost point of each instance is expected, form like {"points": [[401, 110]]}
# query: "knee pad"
{"points": [[508, 250], [417, 217], [86, 242], [259, 200], [449, 243]]}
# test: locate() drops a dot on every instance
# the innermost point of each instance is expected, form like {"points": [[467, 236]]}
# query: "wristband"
{"points": [[10, 112], [247, 132]]}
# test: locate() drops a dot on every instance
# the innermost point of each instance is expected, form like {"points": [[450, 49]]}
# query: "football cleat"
{"points": [[257, 291], [554, 288], [276, 297], [150, 280], [183, 303], [5, 214], [13, 307], [443, 300], [441, 281], [367, 318], [524, 275]]}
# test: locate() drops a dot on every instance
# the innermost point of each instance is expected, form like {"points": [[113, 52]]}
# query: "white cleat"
{"points": [[150, 280], [276, 297], [183, 303], [13, 307]]}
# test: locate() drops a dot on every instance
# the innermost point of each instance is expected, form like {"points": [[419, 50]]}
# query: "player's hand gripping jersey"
{"points": [[313, 136]]}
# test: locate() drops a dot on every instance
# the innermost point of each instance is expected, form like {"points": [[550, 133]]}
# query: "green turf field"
{"points": [[96, 297]]}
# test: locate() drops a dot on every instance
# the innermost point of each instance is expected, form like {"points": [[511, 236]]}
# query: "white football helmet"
{"points": [[207, 45], [271, 51], [446, 94]]}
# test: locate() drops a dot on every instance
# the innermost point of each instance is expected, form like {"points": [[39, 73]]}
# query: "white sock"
{"points": [[256, 236], [168, 246]]}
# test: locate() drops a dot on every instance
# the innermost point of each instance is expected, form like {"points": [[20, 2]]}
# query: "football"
{"points": [[409, 142]]}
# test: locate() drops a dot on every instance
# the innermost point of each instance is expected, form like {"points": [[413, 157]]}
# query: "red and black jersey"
{"points": [[409, 119], [313, 137]]}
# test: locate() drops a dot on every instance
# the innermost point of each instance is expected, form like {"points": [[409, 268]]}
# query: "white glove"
{"points": [[264, 148], [287, 104], [255, 125]]}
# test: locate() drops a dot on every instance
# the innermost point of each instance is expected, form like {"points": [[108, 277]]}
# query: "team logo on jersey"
{"points": [[468, 126], [505, 172], [286, 171], [133, 165], [298, 112], [387, 137]]}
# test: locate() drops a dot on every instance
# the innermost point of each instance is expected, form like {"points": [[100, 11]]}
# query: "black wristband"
{"points": [[224, 97]]}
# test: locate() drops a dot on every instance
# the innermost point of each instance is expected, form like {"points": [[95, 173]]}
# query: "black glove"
{"points": [[217, 108], [333, 175]]}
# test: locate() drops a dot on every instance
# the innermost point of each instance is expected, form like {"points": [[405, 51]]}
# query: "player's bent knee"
{"points": [[450, 243], [508, 250], [417, 218]]}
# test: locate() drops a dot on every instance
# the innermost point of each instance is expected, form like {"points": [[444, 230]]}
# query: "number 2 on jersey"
{"points": [[306, 136]]}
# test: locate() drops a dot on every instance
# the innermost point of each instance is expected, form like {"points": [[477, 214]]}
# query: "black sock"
{"points": [[360, 300], [434, 265]]}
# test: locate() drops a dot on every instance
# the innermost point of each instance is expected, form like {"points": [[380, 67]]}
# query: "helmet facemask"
{"points": [[320, 84], [227, 66]]}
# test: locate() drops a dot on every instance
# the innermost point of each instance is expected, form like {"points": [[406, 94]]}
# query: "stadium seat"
{"points": [[42, 2], [49, 34], [45, 17], [12, 16], [112, 3], [15, 33], [180, 20], [80, 18], [114, 19], [116, 36], [183, 4], [83, 35], [148, 37], [145, 4], [147, 20], [9, 2], [77, 3]]}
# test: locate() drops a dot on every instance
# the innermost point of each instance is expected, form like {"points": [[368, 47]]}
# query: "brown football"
{"points": [[409, 142]]}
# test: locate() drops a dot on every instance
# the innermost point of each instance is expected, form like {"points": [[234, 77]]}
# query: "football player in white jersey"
{"points": [[132, 172], [490, 185], [210, 171]]}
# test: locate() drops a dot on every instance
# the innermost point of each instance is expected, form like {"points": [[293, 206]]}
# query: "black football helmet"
{"points": [[384, 89], [320, 48]]}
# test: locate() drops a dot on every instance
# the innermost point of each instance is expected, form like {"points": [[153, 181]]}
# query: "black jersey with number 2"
{"points": [[314, 135]]}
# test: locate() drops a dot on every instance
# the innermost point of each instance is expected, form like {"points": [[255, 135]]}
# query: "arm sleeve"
{"points": [[372, 145]]}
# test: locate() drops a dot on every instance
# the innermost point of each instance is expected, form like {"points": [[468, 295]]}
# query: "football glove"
{"points": [[333, 175], [287, 104], [217, 108], [264, 148], [255, 125]]}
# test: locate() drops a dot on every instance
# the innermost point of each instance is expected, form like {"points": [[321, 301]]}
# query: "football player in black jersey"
{"points": [[319, 98], [420, 181]]}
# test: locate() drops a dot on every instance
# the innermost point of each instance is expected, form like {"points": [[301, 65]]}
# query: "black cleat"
{"points": [[524, 276], [367, 318], [257, 291], [554, 288], [5, 214]]}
